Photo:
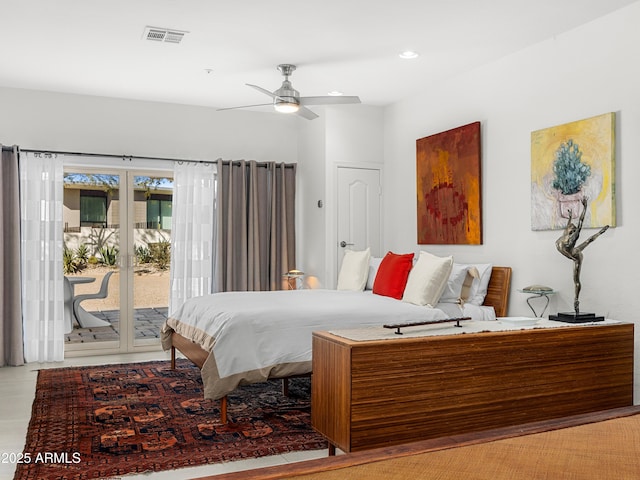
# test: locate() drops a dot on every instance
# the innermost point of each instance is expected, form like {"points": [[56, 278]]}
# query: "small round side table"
{"points": [[538, 294]]}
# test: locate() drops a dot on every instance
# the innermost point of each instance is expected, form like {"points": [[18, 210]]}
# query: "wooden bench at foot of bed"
{"points": [[372, 393]]}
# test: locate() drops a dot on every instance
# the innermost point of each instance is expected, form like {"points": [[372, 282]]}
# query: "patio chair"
{"points": [[84, 318]]}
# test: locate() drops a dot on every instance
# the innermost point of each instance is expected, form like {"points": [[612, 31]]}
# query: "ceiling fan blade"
{"points": [[306, 113], [244, 106], [265, 91], [328, 100]]}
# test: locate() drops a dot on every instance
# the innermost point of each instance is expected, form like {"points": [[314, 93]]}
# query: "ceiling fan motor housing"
{"points": [[286, 94]]}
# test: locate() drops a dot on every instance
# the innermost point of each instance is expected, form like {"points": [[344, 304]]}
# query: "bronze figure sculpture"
{"points": [[566, 245]]}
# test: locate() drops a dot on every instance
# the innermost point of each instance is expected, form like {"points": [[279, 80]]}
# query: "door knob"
{"points": [[344, 244]]}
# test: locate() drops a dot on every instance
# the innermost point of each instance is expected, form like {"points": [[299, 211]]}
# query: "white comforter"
{"points": [[252, 330]]}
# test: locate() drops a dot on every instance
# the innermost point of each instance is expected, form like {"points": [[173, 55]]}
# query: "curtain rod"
{"points": [[131, 157], [112, 155]]}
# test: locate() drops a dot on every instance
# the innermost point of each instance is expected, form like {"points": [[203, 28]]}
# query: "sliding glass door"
{"points": [[117, 237], [91, 218], [150, 257]]}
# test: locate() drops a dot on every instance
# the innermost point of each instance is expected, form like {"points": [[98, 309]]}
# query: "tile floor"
{"points": [[16, 397]]}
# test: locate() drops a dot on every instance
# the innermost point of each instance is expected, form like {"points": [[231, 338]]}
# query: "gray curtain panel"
{"points": [[255, 204], [11, 338]]}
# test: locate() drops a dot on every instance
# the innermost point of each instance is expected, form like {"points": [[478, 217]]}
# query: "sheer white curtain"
{"points": [[192, 231], [41, 199]]}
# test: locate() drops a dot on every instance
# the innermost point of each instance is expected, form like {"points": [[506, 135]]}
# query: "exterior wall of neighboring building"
{"points": [[71, 206], [96, 238], [71, 209]]}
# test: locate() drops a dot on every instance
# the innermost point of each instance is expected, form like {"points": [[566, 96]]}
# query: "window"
{"points": [[159, 212], [93, 209]]}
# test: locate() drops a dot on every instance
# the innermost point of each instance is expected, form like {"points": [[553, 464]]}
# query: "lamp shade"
{"points": [[294, 273]]}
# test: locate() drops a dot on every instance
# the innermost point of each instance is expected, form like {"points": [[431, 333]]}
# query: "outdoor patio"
{"points": [[146, 325]]}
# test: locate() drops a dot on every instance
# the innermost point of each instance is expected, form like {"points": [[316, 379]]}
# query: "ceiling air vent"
{"points": [[166, 35]]}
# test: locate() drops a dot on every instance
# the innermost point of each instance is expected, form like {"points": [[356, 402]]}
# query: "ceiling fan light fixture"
{"points": [[286, 106]]}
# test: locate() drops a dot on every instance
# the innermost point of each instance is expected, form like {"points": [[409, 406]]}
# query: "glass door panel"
{"points": [[117, 237], [90, 261], [151, 236]]}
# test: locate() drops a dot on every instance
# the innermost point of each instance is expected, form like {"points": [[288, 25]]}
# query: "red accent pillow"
{"points": [[392, 275]]}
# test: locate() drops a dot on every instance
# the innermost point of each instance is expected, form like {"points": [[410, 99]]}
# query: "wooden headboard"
{"points": [[498, 291]]}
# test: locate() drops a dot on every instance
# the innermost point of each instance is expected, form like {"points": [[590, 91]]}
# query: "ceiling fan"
{"points": [[287, 99]]}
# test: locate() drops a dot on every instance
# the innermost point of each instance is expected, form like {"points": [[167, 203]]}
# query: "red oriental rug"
{"points": [[112, 420]]}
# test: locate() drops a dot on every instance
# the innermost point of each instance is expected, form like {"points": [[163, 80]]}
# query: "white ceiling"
{"points": [[96, 47]]}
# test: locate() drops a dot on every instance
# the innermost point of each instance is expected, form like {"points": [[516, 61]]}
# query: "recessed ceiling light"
{"points": [[208, 70], [335, 93], [408, 55]]}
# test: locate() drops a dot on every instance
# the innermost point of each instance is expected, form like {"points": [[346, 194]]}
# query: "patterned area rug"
{"points": [[111, 420]]}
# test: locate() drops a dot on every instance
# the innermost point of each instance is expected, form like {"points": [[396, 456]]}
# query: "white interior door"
{"points": [[359, 210]]}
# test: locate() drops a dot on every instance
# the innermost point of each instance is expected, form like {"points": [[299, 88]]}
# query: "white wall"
{"points": [[79, 123], [310, 227], [342, 135], [586, 72], [355, 135]]}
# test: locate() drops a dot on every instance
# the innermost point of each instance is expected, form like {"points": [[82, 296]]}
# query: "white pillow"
{"points": [[354, 270], [427, 279], [453, 288], [472, 274], [478, 294], [479, 286], [374, 264]]}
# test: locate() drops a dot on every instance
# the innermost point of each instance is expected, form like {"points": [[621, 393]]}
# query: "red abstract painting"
{"points": [[449, 187]]}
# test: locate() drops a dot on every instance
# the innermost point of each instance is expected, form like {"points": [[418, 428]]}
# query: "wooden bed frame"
{"points": [[497, 297]]}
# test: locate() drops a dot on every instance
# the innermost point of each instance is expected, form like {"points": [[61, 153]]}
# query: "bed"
{"points": [[272, 339]]}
